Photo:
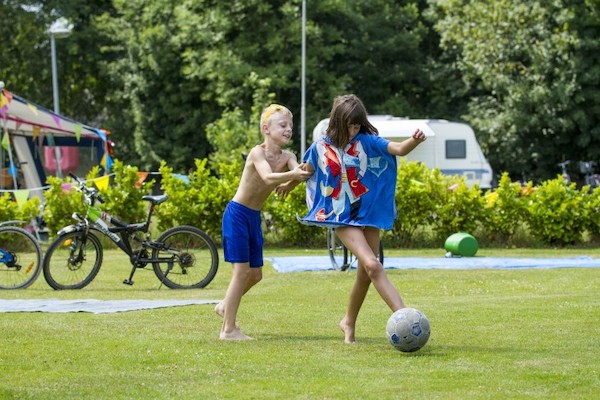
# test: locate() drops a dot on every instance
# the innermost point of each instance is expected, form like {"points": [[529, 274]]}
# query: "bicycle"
{"points": [[341, 258], [564, 173], [20, 256], [183, 257], [590, 178]]}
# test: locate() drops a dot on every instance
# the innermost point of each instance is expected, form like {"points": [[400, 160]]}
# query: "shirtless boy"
{"points": [[267, 168]]}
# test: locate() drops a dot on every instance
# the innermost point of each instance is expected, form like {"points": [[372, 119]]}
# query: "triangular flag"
{"points": [[36, 132], [8, 95], [77, 130], [102, 182], [21, 197], [32, 108], [141, 178], [106, 162], [5, 140], [3, 100], [12, 170], [56, 120]]}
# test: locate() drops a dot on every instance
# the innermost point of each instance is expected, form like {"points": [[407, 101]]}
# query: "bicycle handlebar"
{"points": [[92, 193]]}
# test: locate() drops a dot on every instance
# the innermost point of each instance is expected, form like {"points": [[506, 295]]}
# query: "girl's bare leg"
{"points": [[364, 243]]}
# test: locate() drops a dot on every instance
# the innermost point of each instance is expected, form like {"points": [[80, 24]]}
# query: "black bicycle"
{"points": [[341, 258], [183, 257], [20, 256]]}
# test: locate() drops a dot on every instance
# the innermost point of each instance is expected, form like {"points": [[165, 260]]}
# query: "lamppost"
{"points": [[303, 84], [61, 28]]}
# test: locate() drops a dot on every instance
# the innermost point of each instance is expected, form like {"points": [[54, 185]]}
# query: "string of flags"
{"points": [[22, 195]]}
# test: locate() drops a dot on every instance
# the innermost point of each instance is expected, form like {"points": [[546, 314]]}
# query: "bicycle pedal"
{"points": [[128, 282]]}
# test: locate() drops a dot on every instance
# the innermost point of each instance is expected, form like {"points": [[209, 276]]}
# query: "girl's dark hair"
{"points": [[347, 109]]}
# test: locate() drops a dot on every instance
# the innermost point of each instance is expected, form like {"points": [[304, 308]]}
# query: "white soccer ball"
{"points": [[408, 329]]}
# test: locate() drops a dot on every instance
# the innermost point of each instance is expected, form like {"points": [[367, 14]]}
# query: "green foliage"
{"points": [[282, 225], [506, 209], [522, 83], [200, 202], [458, 208], [235, 132], [60, 204], [11, 211], [415, 200], [124, 195], [557, 212]]}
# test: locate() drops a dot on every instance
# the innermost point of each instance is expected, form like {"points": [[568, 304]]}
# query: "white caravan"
{"points": [[450, 146]]}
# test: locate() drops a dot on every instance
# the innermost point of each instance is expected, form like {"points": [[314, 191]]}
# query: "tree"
{"points": [[519, 61]]}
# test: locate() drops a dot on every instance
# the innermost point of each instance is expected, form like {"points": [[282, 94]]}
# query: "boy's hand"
{"points": [[301, 172], [284, 189]]}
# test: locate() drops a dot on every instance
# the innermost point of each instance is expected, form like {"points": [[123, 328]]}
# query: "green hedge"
{"points": [[431, 206]]}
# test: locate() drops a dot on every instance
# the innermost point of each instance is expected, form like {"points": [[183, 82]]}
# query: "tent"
{"points": [[38, 142]]}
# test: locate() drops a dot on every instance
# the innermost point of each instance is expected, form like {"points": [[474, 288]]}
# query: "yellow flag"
{"points": [[32, 108], [21, 197], [36, 132], [102, 183]]}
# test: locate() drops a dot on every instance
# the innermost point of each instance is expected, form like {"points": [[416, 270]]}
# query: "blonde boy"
{"points": [[267, 167]]}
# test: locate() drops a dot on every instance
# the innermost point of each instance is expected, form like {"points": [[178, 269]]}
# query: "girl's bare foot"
{"points": [[236, 334], [348, 331], [220, 309]]}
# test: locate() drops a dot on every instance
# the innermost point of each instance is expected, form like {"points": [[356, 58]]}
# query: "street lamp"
{"points": [[303, 85], [61, 28]]}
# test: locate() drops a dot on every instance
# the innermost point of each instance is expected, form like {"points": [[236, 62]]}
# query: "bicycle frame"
{"points": [[119, 232]]}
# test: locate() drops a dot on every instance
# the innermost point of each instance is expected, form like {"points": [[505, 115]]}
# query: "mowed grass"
{"points": [[496, 334]]}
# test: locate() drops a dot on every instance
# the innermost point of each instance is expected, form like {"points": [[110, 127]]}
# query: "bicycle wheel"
{"points": [[72, 260], [20, 258], [341, 258], [187, 258]]}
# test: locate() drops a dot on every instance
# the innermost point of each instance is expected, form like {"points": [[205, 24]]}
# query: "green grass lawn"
{"points": [[496, 334]]}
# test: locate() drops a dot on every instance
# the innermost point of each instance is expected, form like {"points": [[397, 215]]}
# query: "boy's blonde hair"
{"points": [[270, 110]]}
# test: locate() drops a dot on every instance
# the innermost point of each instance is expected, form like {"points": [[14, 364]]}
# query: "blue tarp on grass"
{"points": [[322, 263]]}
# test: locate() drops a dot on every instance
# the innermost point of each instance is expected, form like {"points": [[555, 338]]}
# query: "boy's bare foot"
{"points": [[348, 331], [236, 334]]}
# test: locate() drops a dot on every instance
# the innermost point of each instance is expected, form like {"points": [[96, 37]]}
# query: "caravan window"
{"points": [[456, 149]]}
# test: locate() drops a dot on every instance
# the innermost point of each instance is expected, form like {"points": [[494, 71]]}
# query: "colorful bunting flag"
{"points": [[5, 140], [77, 130], [32, 108], [36, 132], [21, 197], [12, 169], [141, 178], [56, 120], [102, 182]]}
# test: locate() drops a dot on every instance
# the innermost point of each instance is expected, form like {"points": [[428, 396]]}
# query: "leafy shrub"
{"points": [[60, 203], [506, 209], [124, 196], [556, 212], [458, 208], [415, 201], [200, 202], [283, 226], [11, 211]]}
